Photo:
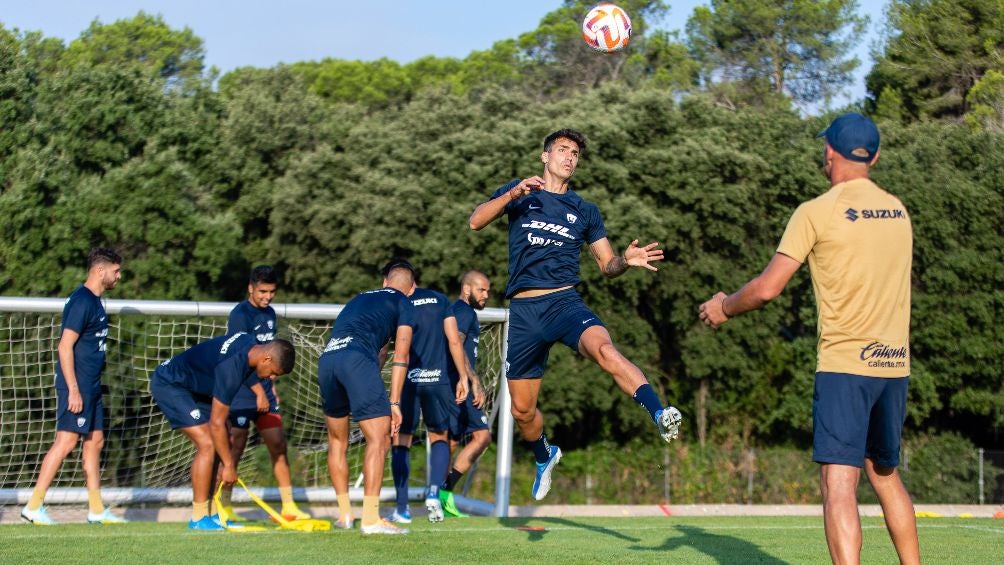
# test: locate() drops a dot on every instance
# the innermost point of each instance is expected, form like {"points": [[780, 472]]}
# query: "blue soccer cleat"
{"points": [[207, 524], [668, 420], [401, 517], [542, 482]]}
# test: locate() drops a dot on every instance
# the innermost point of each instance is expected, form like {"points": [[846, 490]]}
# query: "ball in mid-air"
{"points": [[606, 28]]}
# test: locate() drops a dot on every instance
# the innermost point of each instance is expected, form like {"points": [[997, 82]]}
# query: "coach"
{"points": [[859, 243]]}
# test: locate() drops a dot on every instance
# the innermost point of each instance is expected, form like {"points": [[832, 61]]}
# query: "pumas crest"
{"points": [[195, 414], [571, 218], [81, 421]]}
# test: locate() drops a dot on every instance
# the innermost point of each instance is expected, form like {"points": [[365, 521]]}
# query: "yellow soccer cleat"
{"points": [[292, 512]]}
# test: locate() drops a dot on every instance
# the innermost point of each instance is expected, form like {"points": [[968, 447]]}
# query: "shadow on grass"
{"points": [[723, 549], [537, 535]]}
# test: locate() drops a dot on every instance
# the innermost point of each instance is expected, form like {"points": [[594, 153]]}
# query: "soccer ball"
{"points": [[606, 28]]}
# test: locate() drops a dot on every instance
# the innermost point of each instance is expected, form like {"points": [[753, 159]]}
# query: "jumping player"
{"points": [[474, 287], [548, 225], [194, 391], [428, 387], [79, 407], [256, 317], [348, 373]]}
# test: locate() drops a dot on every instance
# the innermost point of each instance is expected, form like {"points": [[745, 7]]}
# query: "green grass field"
{"points": [[489, 540]]}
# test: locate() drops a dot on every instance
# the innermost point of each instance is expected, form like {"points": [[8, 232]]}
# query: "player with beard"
{"points": [[79, 406], [474, 288]]}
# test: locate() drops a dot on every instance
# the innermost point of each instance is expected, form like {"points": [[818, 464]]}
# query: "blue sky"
{"points": [[263, 33]]}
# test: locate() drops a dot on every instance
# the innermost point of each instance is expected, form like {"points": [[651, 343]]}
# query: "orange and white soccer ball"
{"points": [[606, 28]]}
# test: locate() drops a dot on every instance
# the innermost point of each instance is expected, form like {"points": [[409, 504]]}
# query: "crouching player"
{"points": [[194, 390]]}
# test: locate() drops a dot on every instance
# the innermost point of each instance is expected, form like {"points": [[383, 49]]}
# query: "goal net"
{"points": [[143, 459]]}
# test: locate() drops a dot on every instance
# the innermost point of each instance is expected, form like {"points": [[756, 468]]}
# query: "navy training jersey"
{"points": [[262, 324], [467, 323], [427, 360], [546, 235], [369, 320], [218, 367], [84, 314], [259, 322]]}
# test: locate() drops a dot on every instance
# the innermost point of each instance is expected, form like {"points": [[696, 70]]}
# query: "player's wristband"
{"points": [[399, 364], [395, 404]]}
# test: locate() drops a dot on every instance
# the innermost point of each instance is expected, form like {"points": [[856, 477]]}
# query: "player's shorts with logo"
{"points": [[243, 417], [244, 409], [351, 383], [181, 407], [535, 324], [854, 417], [470, 419], [438, 405], [91, 418]]}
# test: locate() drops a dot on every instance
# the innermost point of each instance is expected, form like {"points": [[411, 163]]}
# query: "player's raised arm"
{"points": [[488, 212], [613, 265]]}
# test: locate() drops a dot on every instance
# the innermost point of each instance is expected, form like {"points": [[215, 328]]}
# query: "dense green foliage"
{"points": [[326, 169]]}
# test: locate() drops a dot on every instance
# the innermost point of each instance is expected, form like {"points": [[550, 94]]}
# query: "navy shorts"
{"points": [[351, 383], [470, 419], [242, 417], [437, 403], [181, 407], [535, 324], [90, 419], [854, 417]]}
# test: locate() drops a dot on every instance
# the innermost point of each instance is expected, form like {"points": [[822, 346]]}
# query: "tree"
{"points": [[144, 41], [935, 52], [986, 100], [794, 47]]}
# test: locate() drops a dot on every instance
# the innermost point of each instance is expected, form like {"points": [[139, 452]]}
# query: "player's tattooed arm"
{"points": [[615, 265]]}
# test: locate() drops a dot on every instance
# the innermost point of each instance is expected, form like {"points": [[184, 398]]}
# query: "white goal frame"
{"points": [[504, 427]]}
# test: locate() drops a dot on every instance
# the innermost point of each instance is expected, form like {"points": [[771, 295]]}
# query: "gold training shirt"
{"points": [[859, 243]]}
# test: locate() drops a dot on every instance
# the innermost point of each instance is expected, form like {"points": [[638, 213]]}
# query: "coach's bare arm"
{"points": [[753, 295], [490, 211]]}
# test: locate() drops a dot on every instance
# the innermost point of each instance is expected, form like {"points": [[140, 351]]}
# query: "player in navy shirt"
{"points": [[348, 374], [474, 288], [548, 226], [194, 390], [256, 317], [79, 408], [428, 388]]}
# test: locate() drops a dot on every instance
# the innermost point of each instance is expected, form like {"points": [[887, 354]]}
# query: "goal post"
{"points": [[143, 459]]}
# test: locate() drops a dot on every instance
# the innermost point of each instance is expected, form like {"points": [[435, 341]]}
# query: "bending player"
{"points": [[428, 387], [348, 373], [474, 287], [548, 225], [79, 407], [194, 391], [256, 317]]}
